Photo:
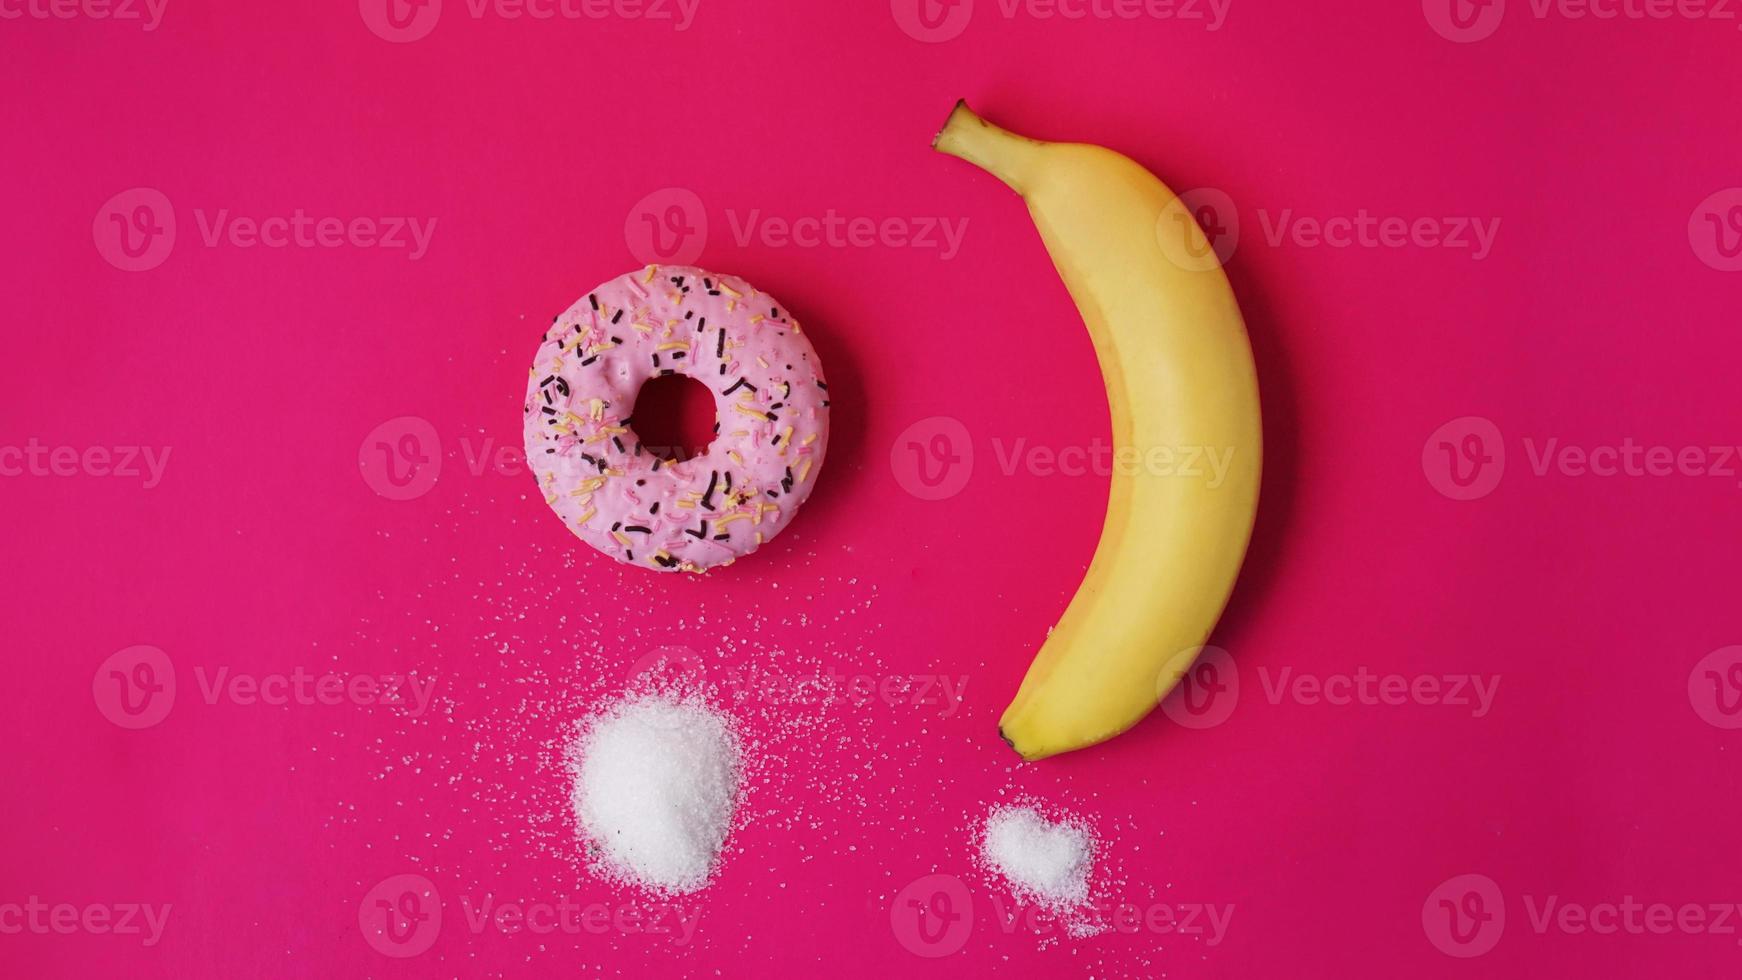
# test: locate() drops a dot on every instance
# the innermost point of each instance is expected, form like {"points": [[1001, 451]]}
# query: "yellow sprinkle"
{"points": [[758, 318], [600, 348], [759, 538], [773, 507], [596, 408], [622, 539], [726, 288], [741, 434], [760, 361], [674, 345], [735, 457], [807, 440], [613, 430], [747, 410], [591, 484], [584, 518], [643, 327], [614, 471], [550, 499], [731, 305], [664, 554], [786, 434], [803, 469], [651, 271], [729, 518], [690, 504]]}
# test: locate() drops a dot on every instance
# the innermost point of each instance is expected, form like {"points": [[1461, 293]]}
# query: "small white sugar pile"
{"points": [[656, 780], [1045, 862]]}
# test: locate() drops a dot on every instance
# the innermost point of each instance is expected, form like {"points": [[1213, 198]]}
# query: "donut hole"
{"points": [[675, 417]]}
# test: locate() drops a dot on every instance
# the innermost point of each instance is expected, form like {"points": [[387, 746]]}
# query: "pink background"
{"points": [[1603, 769]]}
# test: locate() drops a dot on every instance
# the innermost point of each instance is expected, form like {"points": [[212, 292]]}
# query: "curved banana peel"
{"points": [[1180, 380]]}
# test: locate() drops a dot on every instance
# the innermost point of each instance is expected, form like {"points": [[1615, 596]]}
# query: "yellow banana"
{"points": [[1181, 386]]}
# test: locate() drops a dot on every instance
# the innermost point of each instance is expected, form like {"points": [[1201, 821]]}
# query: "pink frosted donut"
{"points": [[769, 394]]}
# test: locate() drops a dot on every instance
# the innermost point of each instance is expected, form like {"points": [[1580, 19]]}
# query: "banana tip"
{"points": [[960, 104], [1010, 742]]}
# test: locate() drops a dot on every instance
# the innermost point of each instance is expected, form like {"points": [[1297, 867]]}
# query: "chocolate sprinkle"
{"points": [[707, 498]]}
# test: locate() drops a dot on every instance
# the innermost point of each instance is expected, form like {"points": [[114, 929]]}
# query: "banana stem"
{"points": [[996, 150]]}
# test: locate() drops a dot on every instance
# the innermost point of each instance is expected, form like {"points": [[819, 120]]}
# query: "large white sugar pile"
{"points": [[1045, 862], [656, 780]]}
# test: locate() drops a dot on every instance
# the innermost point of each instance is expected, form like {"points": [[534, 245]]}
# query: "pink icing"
{"points": [[607, 493]]}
